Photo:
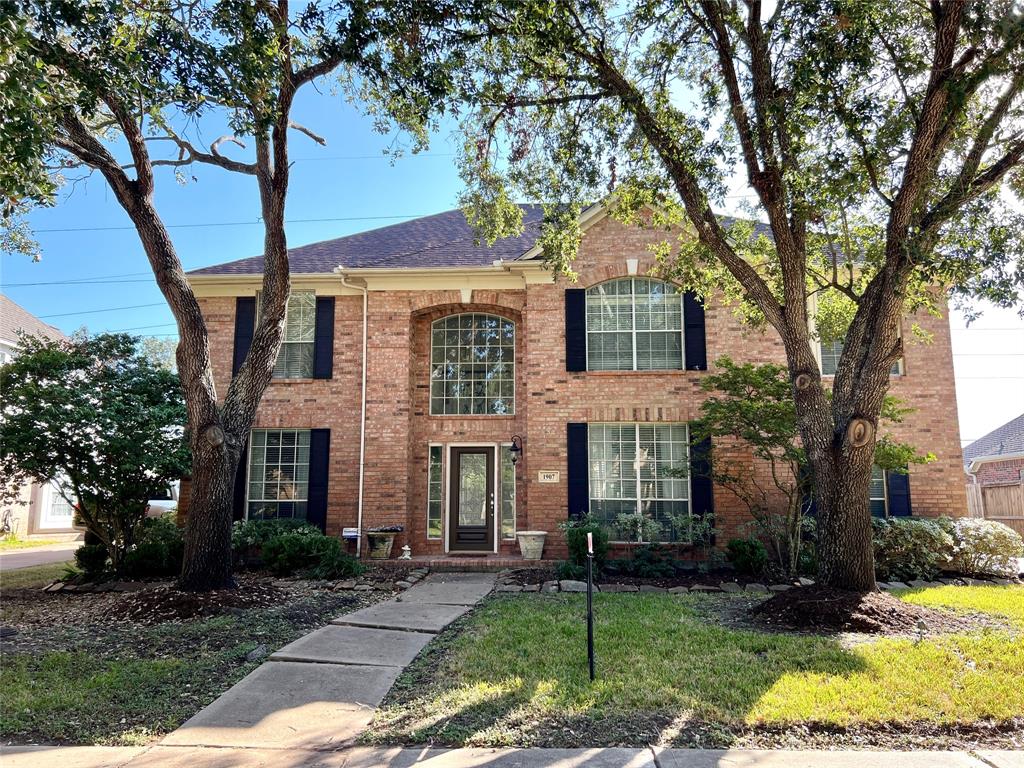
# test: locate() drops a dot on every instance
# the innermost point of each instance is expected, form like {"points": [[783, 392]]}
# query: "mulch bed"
{"points": [[822, 609], [168, 603]]}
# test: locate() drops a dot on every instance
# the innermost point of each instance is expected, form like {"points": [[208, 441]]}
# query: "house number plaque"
{"points": [[547, 477]]}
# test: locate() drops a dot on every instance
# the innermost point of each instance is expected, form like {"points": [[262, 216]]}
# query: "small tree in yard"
{"points": [[93, 417], [753, 404], [881, 144]]}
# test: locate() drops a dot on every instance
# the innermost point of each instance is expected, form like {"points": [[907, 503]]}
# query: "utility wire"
{"points": [[107, 309], [192, 225]]}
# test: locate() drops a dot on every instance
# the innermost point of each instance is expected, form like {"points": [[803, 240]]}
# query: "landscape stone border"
{"points": [[507, 584]]}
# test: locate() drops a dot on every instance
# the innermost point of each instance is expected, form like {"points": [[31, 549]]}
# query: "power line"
{"points": [[78, 282], [192, 225], [108, 309]]}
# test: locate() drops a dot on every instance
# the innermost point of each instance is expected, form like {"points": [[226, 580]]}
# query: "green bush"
{"points": [[91, 559], [159, 551], [982, 547], [748, 556], [649, 561], [908, 549], [246, 534], [569, 570], [576, 538], [301, 553]]}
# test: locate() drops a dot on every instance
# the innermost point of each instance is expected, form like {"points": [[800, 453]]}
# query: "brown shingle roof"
{"points": [[442, 240], [14, 318]]}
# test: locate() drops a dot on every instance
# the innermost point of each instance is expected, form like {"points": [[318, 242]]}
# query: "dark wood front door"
{"points": [[471, 511]]}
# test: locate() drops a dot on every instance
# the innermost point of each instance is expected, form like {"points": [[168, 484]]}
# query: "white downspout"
{"points": [[362, 408]]}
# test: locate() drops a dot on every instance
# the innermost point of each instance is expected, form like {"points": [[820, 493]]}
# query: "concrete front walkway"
{"points": [[320, 692], [365, 757]]}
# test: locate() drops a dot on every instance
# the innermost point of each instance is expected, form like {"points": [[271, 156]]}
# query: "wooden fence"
{"points": [[1002, 503]]}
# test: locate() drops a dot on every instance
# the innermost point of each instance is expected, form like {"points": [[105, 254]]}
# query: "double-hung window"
{"points": [[831, 352], [639, 480], [472, 365], [876, 493], [295, 360], [634, 324], [278, 473]]}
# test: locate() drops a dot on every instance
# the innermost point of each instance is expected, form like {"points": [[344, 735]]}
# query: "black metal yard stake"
{"points": [[590, 612]]}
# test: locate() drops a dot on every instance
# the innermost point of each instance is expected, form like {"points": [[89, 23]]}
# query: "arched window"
{"points": [[634, 324], [472, 365]]}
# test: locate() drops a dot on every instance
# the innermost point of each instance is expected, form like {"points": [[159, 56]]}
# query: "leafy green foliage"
{"points": [[317, 555], [91, 559], [93, 417], [576, 538], [252, 534], [982, 547], [908, 549], [649, 561], [568, 569], [748, 556], [159, 551]]}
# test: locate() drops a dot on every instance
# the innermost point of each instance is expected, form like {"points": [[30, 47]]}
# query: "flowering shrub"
{"points": [[983, 547], [908, 548]]}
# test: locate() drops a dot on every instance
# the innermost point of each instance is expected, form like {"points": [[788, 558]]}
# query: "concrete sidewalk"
{"points": [[320, 692], [44, 555], [365, 757]]}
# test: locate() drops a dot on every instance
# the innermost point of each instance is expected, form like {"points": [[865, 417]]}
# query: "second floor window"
{"points": [[472, 365], [295, 360], [634, 324], [833, 350]]}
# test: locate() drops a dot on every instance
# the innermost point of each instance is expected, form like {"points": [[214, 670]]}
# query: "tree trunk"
{"points": [[845, 553], [208, 557]]}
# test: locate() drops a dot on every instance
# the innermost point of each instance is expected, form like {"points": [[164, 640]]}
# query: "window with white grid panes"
{"points": [[278, 473], [434, 485], [641, 469], [876, 493], [295, 360], [833, 350], [634, 324], [472, 365]]}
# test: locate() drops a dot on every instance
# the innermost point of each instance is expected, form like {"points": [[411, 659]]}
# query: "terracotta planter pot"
{"points": [[380, 544], [531, 544]]}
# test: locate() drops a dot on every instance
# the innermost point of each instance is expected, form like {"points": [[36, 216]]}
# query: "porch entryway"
{"points": [[471, 497]]}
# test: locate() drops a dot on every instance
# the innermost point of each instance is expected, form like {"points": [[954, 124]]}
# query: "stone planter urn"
{"points": [[380, 541], [531, 544]]}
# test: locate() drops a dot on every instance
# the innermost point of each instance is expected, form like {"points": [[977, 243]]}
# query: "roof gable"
{"points": [[1007, 439], [15, 318]]}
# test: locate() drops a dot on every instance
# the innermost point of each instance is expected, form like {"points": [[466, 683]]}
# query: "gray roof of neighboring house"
{"points": [[1008, 438], [442, 240], [14, 318]]}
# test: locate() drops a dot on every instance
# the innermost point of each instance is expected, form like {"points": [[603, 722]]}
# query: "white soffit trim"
{"points": [[979, 460]]}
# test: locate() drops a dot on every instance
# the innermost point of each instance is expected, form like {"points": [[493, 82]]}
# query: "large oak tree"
{"points": [[112, 86], [875, 140]]}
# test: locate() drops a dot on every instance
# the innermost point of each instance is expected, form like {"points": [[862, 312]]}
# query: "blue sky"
{"points": [[351, 183]]}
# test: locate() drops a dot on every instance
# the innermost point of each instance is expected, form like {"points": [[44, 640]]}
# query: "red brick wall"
{"points": [[1005, 472], [399, 425]]}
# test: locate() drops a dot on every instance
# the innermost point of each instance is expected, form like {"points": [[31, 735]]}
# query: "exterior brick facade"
{"points": [[400, 427]]}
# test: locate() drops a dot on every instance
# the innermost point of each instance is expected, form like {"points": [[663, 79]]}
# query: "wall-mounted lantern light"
{"points": [[516, 449]]}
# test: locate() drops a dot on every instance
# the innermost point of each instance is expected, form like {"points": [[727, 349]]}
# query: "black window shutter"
{"points": [[323, 340], [701, 496], [575, 329], [241, 477], [578, 468], [898, 487], [245, 325], [319, 462], [694, 336]]}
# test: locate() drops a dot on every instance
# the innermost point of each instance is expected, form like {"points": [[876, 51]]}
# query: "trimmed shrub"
{"points": [[159, 552], [301, 553], [576, 538], [748, 556], [649, 561], [982, 547], [91, 559], [908, 549], [570, 570]]}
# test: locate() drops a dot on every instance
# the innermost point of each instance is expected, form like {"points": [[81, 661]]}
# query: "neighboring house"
{"points": [[40, 510], [995, 475], [469, 349]]}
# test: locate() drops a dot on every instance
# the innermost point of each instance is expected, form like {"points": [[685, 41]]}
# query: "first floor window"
{"points": [[278, 473], [876, 492], [639, 480], [434, 483]]}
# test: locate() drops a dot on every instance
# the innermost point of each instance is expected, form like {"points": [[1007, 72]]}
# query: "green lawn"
{"points": [[516, 675], [33, 576], [6, 545]]}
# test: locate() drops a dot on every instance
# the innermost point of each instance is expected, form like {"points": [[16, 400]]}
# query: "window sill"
{"points": [[473, 416], [663, 372], [290, 382]]}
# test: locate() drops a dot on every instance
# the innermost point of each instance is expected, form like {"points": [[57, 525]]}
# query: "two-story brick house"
{"points": [[415, 358]]}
